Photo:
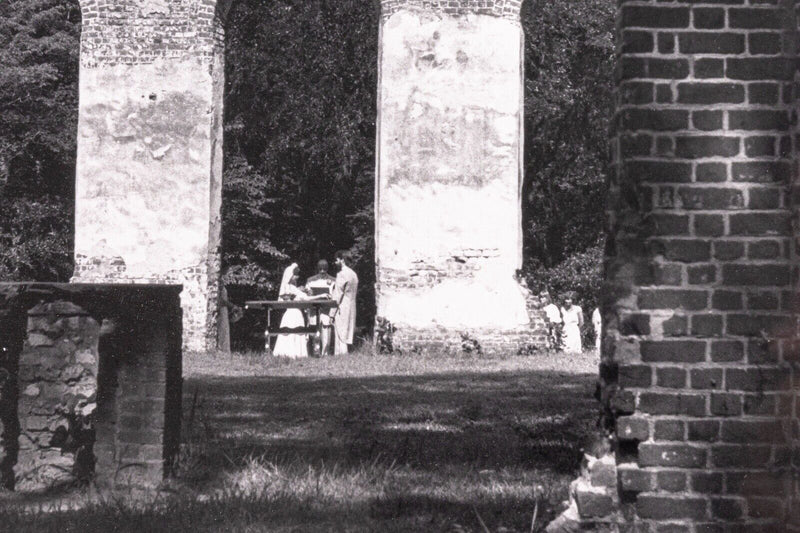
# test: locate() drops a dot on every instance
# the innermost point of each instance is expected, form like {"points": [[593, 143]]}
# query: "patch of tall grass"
{"points": [[270, 495]]}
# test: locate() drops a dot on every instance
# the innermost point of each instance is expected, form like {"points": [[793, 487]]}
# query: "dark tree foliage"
{"points": [[38, 127], [300, 139], [569, 62]]}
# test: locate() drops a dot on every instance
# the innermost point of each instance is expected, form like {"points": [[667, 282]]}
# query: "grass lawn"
{"points": [[428, 442]]}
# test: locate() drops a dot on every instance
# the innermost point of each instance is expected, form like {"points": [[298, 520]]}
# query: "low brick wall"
{"points": [[524, 340], [91, 384]]}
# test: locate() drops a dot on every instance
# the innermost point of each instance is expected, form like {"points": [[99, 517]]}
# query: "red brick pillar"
{"points": [[701, 262], [139, 397], [698, 359]]}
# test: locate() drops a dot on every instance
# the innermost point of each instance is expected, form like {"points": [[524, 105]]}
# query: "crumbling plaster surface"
{"points": [[149, 167], [148, 181], [143, 190], [448, 181]]}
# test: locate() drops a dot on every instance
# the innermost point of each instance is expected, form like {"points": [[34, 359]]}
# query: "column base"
{"points": [[483, 340]]}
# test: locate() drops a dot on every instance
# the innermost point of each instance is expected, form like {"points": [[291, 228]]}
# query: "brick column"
{"points": [[698, 355], [794, 350], [448, 207], [150, 151], [139, 399]]}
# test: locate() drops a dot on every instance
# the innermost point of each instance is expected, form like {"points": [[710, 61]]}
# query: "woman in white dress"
{"points": [[294, 345], [573, 321], [597, 323]]}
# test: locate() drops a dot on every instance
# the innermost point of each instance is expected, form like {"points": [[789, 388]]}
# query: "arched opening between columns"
{"points": [[570, 457], [299, 148]]}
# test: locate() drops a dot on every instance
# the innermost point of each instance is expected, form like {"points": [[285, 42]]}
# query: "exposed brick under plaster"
{"points": [[497, 8], [197, 298]]}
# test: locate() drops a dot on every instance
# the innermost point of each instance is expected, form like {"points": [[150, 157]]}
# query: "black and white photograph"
{"points": [[458, 266]]}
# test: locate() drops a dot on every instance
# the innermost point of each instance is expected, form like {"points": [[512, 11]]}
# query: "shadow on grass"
{"points": [[393, 453], [530, 420], [424, 514]]}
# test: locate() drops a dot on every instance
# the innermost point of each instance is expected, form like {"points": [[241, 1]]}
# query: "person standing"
{"points": [[292, 345], [322, 285], [552, 316], [573, 321], [228, 314], [597, 323], [344, 292]]}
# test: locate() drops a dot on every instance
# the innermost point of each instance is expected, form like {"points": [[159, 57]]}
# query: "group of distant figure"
{"points": [[564, 324], [339, 323]]}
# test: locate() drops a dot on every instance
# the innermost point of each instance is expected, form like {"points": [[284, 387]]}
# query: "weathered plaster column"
{"points": [[150, 151], [448, 229]]}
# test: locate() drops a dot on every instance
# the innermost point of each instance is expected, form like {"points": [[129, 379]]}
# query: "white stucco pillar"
{"points": [[149, 168], [448, 192]]}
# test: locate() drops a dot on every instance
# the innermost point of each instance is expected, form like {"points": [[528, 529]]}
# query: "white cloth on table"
{"points": [[572, 330]]}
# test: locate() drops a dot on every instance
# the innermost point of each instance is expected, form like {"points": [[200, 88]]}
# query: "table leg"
{"points": [[269, 323], [319, 331]]}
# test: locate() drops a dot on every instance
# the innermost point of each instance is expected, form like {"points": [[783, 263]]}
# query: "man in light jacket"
{"points": [[344, 292]]}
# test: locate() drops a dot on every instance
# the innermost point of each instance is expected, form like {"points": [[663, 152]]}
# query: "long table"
{"points": [[316, 306]]}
